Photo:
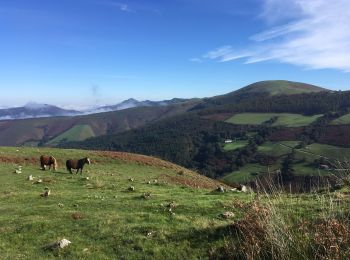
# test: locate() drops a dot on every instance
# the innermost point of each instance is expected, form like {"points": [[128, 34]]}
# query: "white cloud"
{"points": [[124, 7], [318, 38]]}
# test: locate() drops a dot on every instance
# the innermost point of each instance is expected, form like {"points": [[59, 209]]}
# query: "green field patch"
{"points": [[76, 133], [283, 119], [329, 151], [277, 148], [235, 145], [343, 120], [245, 174]]}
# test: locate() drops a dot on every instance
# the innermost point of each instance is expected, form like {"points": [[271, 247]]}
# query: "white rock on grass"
{"points": [[227, 215], [30, 178], [58, 244]]}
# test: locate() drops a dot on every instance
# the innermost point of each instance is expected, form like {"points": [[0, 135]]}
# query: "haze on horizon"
{"points": [[80, 53]]}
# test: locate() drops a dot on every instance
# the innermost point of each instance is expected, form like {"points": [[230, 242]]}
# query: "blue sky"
{"points": [[78, 53]]}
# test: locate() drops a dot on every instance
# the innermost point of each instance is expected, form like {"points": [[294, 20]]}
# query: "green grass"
{"points": [[343, 120], [330, 151], [277, 148], [281, 87], [245, 174], [283, 119], [76, 133], [235, 145], [114, 222]]}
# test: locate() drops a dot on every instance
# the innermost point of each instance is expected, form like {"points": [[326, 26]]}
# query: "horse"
{"points": [[77, 164], [48, 160]]}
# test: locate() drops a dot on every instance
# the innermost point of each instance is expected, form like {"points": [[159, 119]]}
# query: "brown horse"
{"points": [[77, 164], [48, 160]]}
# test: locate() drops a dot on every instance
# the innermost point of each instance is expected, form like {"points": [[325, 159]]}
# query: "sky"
{"points": [[82, 53]]}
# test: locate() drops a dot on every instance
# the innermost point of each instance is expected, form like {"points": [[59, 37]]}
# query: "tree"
{"points": [[287, 167]]}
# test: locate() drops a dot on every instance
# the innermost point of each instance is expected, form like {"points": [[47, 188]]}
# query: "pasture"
{"points": [[100, 216], [343, 120], [283, 119], [235, 145], [76, 133], [171, 212]]}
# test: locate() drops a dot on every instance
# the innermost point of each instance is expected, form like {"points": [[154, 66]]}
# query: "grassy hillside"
{"points": [[343, 120], [76, 133], [100, 216], [171, 214], [282, 119], [303, 164], [43, 130], [280, 87]]}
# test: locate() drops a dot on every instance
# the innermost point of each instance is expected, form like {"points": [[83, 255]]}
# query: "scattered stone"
{"points": [[171, 205], [220, 189], [46, 193], [38, 181], [227, 215], [149, 233], [131, 179], [131, 188], [30, 178], [115, 196], [58, 244], [86, 178], [149, 182], [77, 216], [146, 196], [18, 170], [60, 205], [243, 188]]}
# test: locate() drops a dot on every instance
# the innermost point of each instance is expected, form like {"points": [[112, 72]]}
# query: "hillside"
{"points": [[52, 130], [279, 87], [170, 212], [196, 139], [34, 110]]}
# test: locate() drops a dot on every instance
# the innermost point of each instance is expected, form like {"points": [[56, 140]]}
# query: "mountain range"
{"points": [[36, 110], [259, 118]]}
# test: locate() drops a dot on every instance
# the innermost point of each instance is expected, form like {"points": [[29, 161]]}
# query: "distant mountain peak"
{"points": [[34, 105]]}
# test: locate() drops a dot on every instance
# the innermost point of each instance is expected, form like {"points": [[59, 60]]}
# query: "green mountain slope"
{"points": [[44, 130], [279, 87]]}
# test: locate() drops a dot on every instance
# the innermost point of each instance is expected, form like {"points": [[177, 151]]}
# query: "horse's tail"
{"points": [[55, 164]]}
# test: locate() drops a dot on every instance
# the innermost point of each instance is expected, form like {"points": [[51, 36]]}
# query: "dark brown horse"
{"points": [[77, 164], [48, 160]]}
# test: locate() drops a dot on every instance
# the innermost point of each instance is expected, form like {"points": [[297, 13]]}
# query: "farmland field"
{"points": [[343, 120], [235, 145], [76, 133], [283, 119]]}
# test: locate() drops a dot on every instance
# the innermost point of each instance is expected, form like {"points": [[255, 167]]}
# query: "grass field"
{"points": [[245, 174], [277, 148], [329, 151], [101, 218], [343, 120], [235, 145], [104, 220], [283, 119], [76, 133]]}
